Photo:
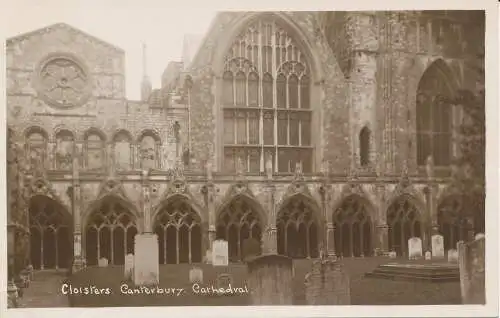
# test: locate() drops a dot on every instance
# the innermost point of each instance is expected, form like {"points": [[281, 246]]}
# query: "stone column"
{"points": [[270, 242], [78, 262], [330, 239], [382, 233], [211, 214], [50, 160]]}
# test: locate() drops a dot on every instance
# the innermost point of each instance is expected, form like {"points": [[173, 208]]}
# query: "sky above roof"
{"points": [[127, 27]]}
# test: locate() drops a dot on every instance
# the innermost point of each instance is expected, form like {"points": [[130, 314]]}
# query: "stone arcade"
{"points": [[295, 129]]}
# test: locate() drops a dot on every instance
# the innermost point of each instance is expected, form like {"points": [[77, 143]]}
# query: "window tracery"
{"points": [[178, 228], [110, 233], [434, 117], [236, 223], [353, 228], [404, 223], [297, 230], [266, 101]]}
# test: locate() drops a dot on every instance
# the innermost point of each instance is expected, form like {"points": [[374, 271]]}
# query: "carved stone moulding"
{"points": [[63, 81]]}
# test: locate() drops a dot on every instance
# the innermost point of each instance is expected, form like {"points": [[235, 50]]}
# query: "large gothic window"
{"points": [[353, 228], [65, 148], [94, 151], [297, 230], [122, 151], [266, 102], [237, 223], [110, 233], [50, 234], [454, 223], [178, 228], [404, 223], [36, 148], [434, 117], [149, 148]]}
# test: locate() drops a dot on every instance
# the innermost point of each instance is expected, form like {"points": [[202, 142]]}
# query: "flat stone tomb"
{"points": [[417, 272]]}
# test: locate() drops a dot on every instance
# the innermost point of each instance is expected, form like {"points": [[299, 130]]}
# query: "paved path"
{"points": [[45, 291]]}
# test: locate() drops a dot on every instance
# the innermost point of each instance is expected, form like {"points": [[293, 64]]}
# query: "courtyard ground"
{"points": [[364, 291], [45, 290]]}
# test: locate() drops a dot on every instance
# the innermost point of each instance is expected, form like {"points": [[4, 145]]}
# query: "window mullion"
{"points": [[275, 112]]}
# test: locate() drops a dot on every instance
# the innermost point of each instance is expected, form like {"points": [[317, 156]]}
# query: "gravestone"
{"points": [[103, 262], [146, 260], [428, 256], [437, 243], [251, 248], [223, 280], [479, 236], [129, 266], [270, 280], [392, 254], [208, 257], [414, 248], [327, 284], [472, 270], [220, 253], [452, 256], [196, 275]]}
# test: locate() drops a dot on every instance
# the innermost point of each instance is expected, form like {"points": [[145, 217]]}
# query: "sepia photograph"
{"points": [[260, 158]]}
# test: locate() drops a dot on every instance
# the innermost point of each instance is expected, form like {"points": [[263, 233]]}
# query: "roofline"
{"points": [[65, 25], [204, 39]]}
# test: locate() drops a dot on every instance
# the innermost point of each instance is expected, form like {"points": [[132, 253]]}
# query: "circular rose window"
{"points": [[63, 82]]}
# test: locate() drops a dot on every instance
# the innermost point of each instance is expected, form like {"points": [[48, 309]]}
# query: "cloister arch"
{"points": [[51, 234], [353, 227], [239, 218], [404, 221], [453, 221], [179, 229], [299, 227], [110, 229]]}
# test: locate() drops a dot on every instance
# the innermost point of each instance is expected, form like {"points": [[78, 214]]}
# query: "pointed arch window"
{"points": [[364, 146], [268, 72], [434, 116]]}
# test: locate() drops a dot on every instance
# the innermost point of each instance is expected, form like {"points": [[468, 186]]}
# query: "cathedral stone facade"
{"points": [[303, 131]]}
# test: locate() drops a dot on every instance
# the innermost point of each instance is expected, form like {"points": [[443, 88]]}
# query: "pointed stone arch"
{"points": [[405, 220], [239, 217], [354, 218], [299, 223], [51, 233], [109, 229], [178, 221], [246, 19], [454, 221], [40, 186]]}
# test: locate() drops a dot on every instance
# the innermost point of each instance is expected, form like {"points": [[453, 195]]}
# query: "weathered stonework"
{"points": [[365, 68]]}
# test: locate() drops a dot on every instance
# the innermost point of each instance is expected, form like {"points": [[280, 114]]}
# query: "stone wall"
{"points": [[472, 271]]}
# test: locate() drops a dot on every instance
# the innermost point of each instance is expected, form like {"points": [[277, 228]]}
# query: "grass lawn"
{"points": [[364, 291]]}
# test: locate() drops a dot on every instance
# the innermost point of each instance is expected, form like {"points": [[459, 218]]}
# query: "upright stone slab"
{"points": [[270, 280], [220, 253], [437, 242], [103, 262], [453, 255], [415, 248], [327, 284], [146, 262], [196, 275], [472, 268], [129, 266]]}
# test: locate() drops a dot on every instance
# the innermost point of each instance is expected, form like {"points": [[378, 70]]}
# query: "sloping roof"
{"points": [[64, 26]]}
